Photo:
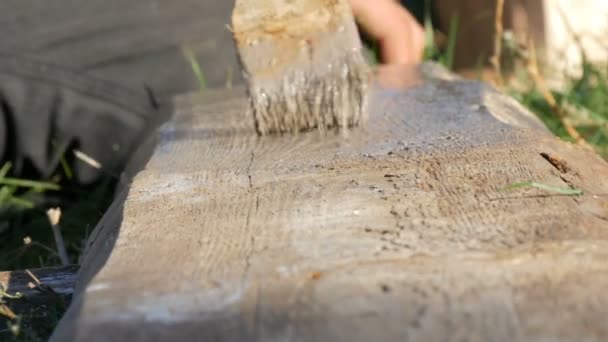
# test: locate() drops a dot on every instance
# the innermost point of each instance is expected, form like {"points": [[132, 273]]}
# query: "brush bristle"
{"points": [[318, 98]]}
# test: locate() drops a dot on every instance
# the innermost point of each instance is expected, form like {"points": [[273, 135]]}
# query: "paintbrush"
{"points": [[303, 64]]}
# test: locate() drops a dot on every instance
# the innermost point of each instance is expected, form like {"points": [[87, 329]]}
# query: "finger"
{"points": [[400, 36]]}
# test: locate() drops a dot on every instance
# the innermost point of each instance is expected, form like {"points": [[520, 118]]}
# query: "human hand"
{"points": [[399, 35]]}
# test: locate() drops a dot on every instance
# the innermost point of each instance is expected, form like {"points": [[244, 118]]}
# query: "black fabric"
{"points": [[47, 111], [75, 74], [130, 42]]}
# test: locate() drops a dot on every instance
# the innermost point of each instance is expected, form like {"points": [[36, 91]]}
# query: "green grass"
{"points": [[432, 52], [583, 101], [11, 187], [26, 238], [81, 208], [545, 187], [195, 66]]}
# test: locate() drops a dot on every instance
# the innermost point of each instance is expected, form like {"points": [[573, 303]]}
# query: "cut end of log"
{"points": [[304, 65]]}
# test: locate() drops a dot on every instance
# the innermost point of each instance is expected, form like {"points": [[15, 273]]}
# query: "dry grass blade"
{"points": [[498, 35], [87, 159], [34, 278], [5, 310], [54, 215], [541, 85]]}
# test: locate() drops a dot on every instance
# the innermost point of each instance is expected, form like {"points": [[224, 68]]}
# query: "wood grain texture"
{"points": [[399, 231]]}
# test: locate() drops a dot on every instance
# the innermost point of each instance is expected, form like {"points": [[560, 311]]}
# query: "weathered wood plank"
{"points": [[397, 232], [60, 279]]}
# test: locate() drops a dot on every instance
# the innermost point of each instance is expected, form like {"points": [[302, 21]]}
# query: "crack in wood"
{"points": [[601, 217], [557, 162], [568, 181], [562, 166], [248, 170], [250, 251]]}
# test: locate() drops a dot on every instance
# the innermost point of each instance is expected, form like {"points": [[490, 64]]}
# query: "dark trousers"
{"points": [[83, 74]]}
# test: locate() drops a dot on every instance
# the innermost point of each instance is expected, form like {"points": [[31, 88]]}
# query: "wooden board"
{"points": [[60, 279], [400, 231]]}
